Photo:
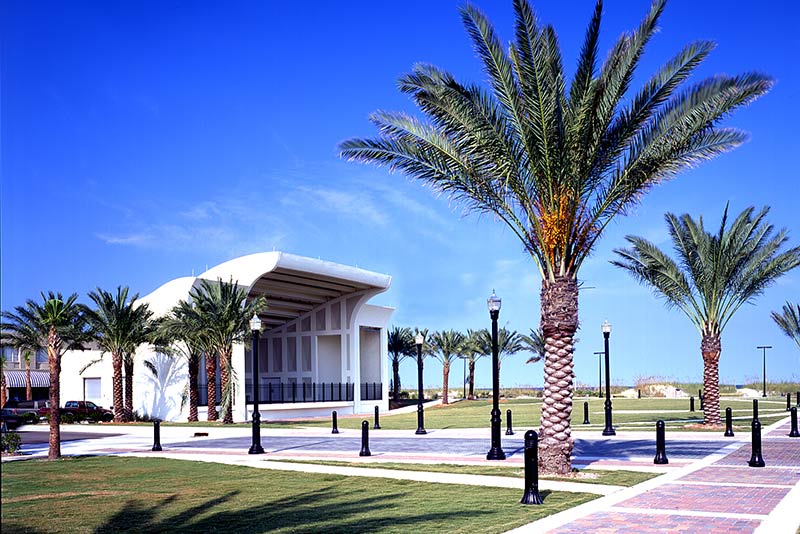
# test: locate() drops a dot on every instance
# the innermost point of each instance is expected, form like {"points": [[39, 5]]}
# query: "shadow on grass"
{"points": [[328, 510]]}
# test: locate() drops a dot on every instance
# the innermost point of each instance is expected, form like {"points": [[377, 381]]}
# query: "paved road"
{"points": [[613, 448], [43, 436]]}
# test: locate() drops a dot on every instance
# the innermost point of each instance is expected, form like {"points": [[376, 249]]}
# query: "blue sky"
{"points": [[143, 141]]}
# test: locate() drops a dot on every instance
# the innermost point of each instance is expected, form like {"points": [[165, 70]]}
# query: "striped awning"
{"points": [[16, 379]]}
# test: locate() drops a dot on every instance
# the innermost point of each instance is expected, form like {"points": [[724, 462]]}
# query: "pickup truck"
{"points": [[87, 410]]}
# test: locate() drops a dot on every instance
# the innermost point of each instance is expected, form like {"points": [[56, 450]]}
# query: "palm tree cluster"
{"points": [[555, 159], [449, 345], [215, 317]]}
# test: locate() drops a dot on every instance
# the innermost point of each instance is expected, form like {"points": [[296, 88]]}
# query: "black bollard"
{"points": [[156, 435], [661, 446], [794, 433], [586, 413], [691, 404], [335, 419], [728, 422], [377, 419], [531, 495], [797, 398], [788, 401], [509, 430], [702, 403], [756, 460], [365, 439], [639, 395]]}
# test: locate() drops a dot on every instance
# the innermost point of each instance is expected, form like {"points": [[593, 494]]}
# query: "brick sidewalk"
{"points": [[721, 494]]}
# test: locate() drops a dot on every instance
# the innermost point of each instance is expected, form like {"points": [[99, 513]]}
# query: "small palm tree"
{"points": [[183, 331], [509, 342], [400, 345], [60, 325], [446, 346], [534, 343], [120, 325], [224, 313], [557, 161], [473, 350], [714, 276], [789, 321], [26, 356]]}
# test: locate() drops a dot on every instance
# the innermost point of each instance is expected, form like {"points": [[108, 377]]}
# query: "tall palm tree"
{"points": [[60, 325], [715, 274], [557, 162], [119, 325], [183, 331], [400, 345], [447, 345], [473, 350], [26, 356], [224, 313], [789, 321]]}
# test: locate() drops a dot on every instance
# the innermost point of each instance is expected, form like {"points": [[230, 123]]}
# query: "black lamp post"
{"points": [[599, 355], [255, 328], [419, 339], [764, 347], [496, 452], [608, 430]]}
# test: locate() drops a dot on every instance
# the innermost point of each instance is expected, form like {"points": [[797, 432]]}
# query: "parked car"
{"points": [[29, 411], [10, 419], [87, 410]]}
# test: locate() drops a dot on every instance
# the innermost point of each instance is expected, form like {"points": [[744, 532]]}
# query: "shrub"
{"points": [[29, 418], [11, 442]]}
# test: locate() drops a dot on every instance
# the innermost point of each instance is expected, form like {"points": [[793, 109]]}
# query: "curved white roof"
{"points": [[292, 284]]}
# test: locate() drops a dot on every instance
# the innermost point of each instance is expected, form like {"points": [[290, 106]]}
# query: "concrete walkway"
{"points": [[707, 485]]}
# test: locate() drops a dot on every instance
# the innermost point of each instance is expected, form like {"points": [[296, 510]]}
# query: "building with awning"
{"points": [[323, 346], [17, 379]]}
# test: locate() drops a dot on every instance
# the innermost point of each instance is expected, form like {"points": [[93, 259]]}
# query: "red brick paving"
{"points": [[614, 522], [775, 452], [746, 475], [722, 499]]}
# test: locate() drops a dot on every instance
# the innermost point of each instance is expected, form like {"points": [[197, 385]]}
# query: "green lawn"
{"points": [[110, 494], [588, 476], [526, 413]]}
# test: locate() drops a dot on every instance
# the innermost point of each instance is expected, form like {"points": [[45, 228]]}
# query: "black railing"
{"points": [[202, 394], [372, 391], [312, 392]]}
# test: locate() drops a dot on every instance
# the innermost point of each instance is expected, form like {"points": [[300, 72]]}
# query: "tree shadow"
{"points": [[327, 509]]}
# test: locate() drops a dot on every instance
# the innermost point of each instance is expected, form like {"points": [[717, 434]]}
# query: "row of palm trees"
{"points": [[449, 345], [206, 326]]}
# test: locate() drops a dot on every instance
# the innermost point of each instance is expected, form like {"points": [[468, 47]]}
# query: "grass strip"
{"points": [[588, 476]]}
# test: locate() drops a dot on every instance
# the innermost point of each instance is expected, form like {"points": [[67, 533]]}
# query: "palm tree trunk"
{"points": [[711, 347], [54, 359], [446, 383], [119, 409], [211, 377], [28, 387], [559, 301], [471, 379], [128, 362], [194, 365], [396, 379], [227, 391], [3, 390]]}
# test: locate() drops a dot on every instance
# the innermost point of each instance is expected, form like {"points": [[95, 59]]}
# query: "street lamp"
{"points": [[764, 347], [419, 339], [599, 355], [496, 452], [255, 327], [608, 430]]}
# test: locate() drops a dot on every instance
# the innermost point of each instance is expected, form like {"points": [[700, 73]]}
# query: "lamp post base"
{"points": [[609, 429], [255, 449], [420, 421], [496, 453]]}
